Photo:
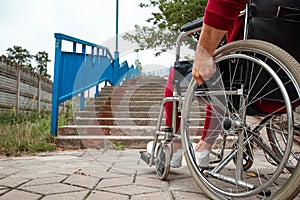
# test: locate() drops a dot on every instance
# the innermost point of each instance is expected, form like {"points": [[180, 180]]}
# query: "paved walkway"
{"points": [[91, 174]]}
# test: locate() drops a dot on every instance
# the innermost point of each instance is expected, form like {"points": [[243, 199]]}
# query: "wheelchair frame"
{"points": [[280, 159]]}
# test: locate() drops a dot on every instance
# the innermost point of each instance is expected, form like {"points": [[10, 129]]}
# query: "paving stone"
{"points": [[20, 195], [82, 180], [154, 196], [66, 170], [126, 180], [184, 184], [77, 153], [96, 195], [95, 167], [146, 170], [13, 181], [132, 189], [177, 173], [103, 155], [54, 188], [102, 174], [178, 195], [72, 196], [93, 175], [7, 169], [3, 190], [46, 180], [151, 182], [125, 171], [37, 171]]}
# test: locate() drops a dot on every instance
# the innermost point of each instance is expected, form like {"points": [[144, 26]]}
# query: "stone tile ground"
{"points": [[90, 175]]}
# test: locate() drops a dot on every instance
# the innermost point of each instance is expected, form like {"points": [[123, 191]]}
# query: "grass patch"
{"points": [[25, 133], [118, 146]]}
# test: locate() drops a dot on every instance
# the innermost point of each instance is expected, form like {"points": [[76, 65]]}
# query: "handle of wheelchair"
{"points": [[192, 25]]}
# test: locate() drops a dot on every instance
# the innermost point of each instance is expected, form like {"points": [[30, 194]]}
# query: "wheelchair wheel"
{"points": [[250, 73], [162, 161], [278, 139]]}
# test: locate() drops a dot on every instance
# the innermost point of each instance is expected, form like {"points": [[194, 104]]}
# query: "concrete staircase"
{"points": [[127, 114]]}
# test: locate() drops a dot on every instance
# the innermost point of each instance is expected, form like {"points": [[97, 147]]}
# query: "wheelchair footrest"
{"points": [[145, 156]]}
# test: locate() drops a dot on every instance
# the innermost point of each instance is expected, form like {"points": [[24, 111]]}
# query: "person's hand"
{"points": [[203, 67]]}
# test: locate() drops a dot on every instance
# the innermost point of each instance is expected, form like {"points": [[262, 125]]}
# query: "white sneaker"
{"points": [[176, 159], [149, 148], [202, 158]]}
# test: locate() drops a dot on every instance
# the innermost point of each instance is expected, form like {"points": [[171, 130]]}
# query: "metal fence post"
{"points": [[39, 94], [18, 88]]}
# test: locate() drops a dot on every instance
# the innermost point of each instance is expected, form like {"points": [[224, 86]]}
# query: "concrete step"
{"points": [[124, 103], [105, 130], [133, 142], [123, 108], [133, 88], [95, 130], [130, 108], [102, 99], [134, 94], [127, 121], [93, 114], [117, 121]]}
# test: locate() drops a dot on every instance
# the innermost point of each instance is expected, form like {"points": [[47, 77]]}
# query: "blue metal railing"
{"points": [[74, 72]]}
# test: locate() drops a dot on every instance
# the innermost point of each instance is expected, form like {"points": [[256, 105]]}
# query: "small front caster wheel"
{"points": [[162, 161]]}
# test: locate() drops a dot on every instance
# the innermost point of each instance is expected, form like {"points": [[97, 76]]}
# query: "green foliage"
{"points": [[12, 118], [42, 59], [20, 56], [23, 57], [166, 23], [154, 38], [173, 14], [67, 115], [118, 146], [25, 133]]}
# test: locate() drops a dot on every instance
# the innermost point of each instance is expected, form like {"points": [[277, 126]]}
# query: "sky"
{"points": [[31, 24]]}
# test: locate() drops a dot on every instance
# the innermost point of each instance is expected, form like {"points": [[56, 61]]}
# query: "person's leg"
{"points": [[211, 130], [177, 152], [205, 128], [209, 133], [169, 105]]}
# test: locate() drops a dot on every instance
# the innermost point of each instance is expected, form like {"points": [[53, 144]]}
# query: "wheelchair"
{"points": [[254, 99]]}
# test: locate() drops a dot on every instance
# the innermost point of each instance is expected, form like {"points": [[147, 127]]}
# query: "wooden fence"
{"points": [[22, 89]]}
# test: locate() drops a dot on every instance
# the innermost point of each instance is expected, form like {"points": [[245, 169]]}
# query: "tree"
{"points": [[166, 23], [42, 59], [173, 14], [20, 56], [138, 64]]}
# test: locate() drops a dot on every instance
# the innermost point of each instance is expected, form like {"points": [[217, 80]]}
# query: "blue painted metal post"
{"points": [[74, 47], [81, 106], [98, 64], [117, 24], [116, 67], [55, 87], [97, 91], [116, 56], [82, 101]]}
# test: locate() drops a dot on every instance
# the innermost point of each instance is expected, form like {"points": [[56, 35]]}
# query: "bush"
{"points": [[25, 133]]}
